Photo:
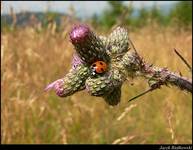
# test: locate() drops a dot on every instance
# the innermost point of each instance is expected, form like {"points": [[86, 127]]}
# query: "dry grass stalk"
{"points": [[124, 140], [127, 110]]}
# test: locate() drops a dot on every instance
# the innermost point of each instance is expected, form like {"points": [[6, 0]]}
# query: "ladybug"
{"points": [[98, 67]]}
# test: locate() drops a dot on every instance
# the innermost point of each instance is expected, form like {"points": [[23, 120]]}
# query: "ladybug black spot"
{"points": [[94, 65], [101, 63]]}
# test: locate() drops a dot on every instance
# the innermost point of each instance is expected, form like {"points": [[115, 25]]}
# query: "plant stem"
{"points": [[134, 64]]}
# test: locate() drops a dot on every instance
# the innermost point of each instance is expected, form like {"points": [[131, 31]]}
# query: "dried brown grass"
{"points": [[30, 60]]}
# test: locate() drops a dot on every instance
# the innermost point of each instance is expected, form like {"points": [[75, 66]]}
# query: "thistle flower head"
{"points": [[57, 86], [89, 49], [79, 34]]}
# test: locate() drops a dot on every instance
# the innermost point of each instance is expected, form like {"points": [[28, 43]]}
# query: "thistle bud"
{"points": [[74, 81], [89, 47], [114, 97], [99, 86], [118, 41]]}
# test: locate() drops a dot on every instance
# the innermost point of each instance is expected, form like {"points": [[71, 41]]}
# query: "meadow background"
{"points": [[36, 51]]}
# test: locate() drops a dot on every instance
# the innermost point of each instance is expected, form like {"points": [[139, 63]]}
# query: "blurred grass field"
{"points": [[30, 60]]}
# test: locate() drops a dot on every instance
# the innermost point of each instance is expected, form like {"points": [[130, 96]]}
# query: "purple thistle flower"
{"points": [[89, 47], [57, 86], [79, 34]]}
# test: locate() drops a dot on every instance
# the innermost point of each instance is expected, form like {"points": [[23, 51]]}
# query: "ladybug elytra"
{"points": [[98, 67]]}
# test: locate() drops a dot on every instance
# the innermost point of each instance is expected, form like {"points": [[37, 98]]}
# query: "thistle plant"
{"points": [[122, 61]]}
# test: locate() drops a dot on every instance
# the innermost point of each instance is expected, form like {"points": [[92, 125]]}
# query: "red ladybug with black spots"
{"points": [[98, 67]]}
